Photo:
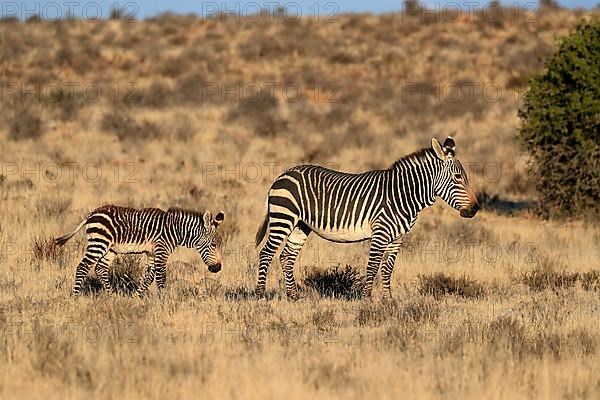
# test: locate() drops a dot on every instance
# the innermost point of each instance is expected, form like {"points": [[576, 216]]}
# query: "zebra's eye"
{"points": [[457, 176]]}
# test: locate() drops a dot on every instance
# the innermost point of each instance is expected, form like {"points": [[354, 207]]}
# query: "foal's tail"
{"points": [[60, 241]]}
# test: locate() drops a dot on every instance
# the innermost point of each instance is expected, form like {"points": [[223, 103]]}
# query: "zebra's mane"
{"points": [[178, 210], [414, 156]]}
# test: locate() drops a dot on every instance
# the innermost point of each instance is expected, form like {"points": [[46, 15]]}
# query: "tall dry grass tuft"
{"points": [[440, 284], [44, 249]]}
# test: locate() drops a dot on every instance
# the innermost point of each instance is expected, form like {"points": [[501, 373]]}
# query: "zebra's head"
{"points": [[452, 184], [209, 241]]}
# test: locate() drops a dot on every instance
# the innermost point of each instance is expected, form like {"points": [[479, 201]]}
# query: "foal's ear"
{"points": [[220, 217], [445, 152], [207, 219], [437, 148]]}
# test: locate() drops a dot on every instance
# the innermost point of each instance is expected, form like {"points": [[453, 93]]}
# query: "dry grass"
{"points": [[478, 311]]}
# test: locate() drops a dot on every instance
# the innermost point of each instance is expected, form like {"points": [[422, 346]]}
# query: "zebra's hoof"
{"points": [[293, 296], [259, 293]]}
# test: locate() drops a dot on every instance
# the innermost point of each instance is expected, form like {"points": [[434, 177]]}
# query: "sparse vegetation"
{"points": [[474, 310]]}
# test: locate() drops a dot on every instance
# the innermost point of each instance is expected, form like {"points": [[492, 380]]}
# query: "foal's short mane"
{"points": [[178, 210], [416, 155]]}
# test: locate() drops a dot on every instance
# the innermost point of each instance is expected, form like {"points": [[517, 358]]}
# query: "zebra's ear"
{"points": [[449, 146], [219, 218], [207, 219], [437, 147]]}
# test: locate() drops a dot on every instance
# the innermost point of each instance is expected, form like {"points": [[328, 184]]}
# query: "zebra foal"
{"points": [[112, 230], [380, 205]]}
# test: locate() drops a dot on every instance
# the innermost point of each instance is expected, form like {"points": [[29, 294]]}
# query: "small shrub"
{"points": [[26, 123], [590, 280], [338, 283], [126, 128], [261, 115], [323, 319], [158, 95], [560, 126], [440, 284], [544, 276]]}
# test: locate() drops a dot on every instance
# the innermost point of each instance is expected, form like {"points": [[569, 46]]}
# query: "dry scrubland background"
{"points": [[504, 305]]}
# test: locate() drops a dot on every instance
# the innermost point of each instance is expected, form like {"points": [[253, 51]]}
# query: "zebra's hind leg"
{"points": [[276, 235], [102, 271], [379, 243], [93, 253], [288, 257], [390, 254], [160, 267]]}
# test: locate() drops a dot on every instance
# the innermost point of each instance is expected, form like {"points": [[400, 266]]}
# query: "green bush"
{"points": [[561, 125]]}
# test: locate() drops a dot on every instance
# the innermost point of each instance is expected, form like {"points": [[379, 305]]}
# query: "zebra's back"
{"points": [[337, 205], [128, 228]]}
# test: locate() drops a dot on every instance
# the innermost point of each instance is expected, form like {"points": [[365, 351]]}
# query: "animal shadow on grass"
{"points": [[338, 283], [502, 206], [124, 277]]}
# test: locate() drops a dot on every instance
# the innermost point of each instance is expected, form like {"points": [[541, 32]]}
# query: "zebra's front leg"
{"points": [[288, 257], [389, 259], [102, 271], [148, 277], [376, 251]]}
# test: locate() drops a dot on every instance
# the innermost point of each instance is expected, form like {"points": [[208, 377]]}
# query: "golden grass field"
{"points": [[505, 305]]}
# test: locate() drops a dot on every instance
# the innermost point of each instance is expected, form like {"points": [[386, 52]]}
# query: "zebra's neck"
{"points": [[185, 228], [413, 181]]}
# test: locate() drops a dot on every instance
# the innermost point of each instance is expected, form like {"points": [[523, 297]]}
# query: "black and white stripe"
{"points": [[380, 205], [112, 230]]}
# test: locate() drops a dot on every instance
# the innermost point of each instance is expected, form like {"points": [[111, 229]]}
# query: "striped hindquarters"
{"points": [[336, 205]]}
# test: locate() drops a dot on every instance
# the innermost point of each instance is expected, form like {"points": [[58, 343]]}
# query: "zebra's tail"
{"points": [[262, 231], [60, 241]]}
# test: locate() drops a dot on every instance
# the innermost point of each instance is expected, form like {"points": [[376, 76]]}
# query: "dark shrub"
{"points": [[345, 283], [561, 126]]}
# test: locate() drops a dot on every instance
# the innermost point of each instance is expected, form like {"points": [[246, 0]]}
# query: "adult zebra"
{"points": [[380, 205]]}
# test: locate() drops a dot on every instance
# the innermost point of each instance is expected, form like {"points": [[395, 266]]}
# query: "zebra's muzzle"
{"points": [[469, 212], [214, 268]]}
